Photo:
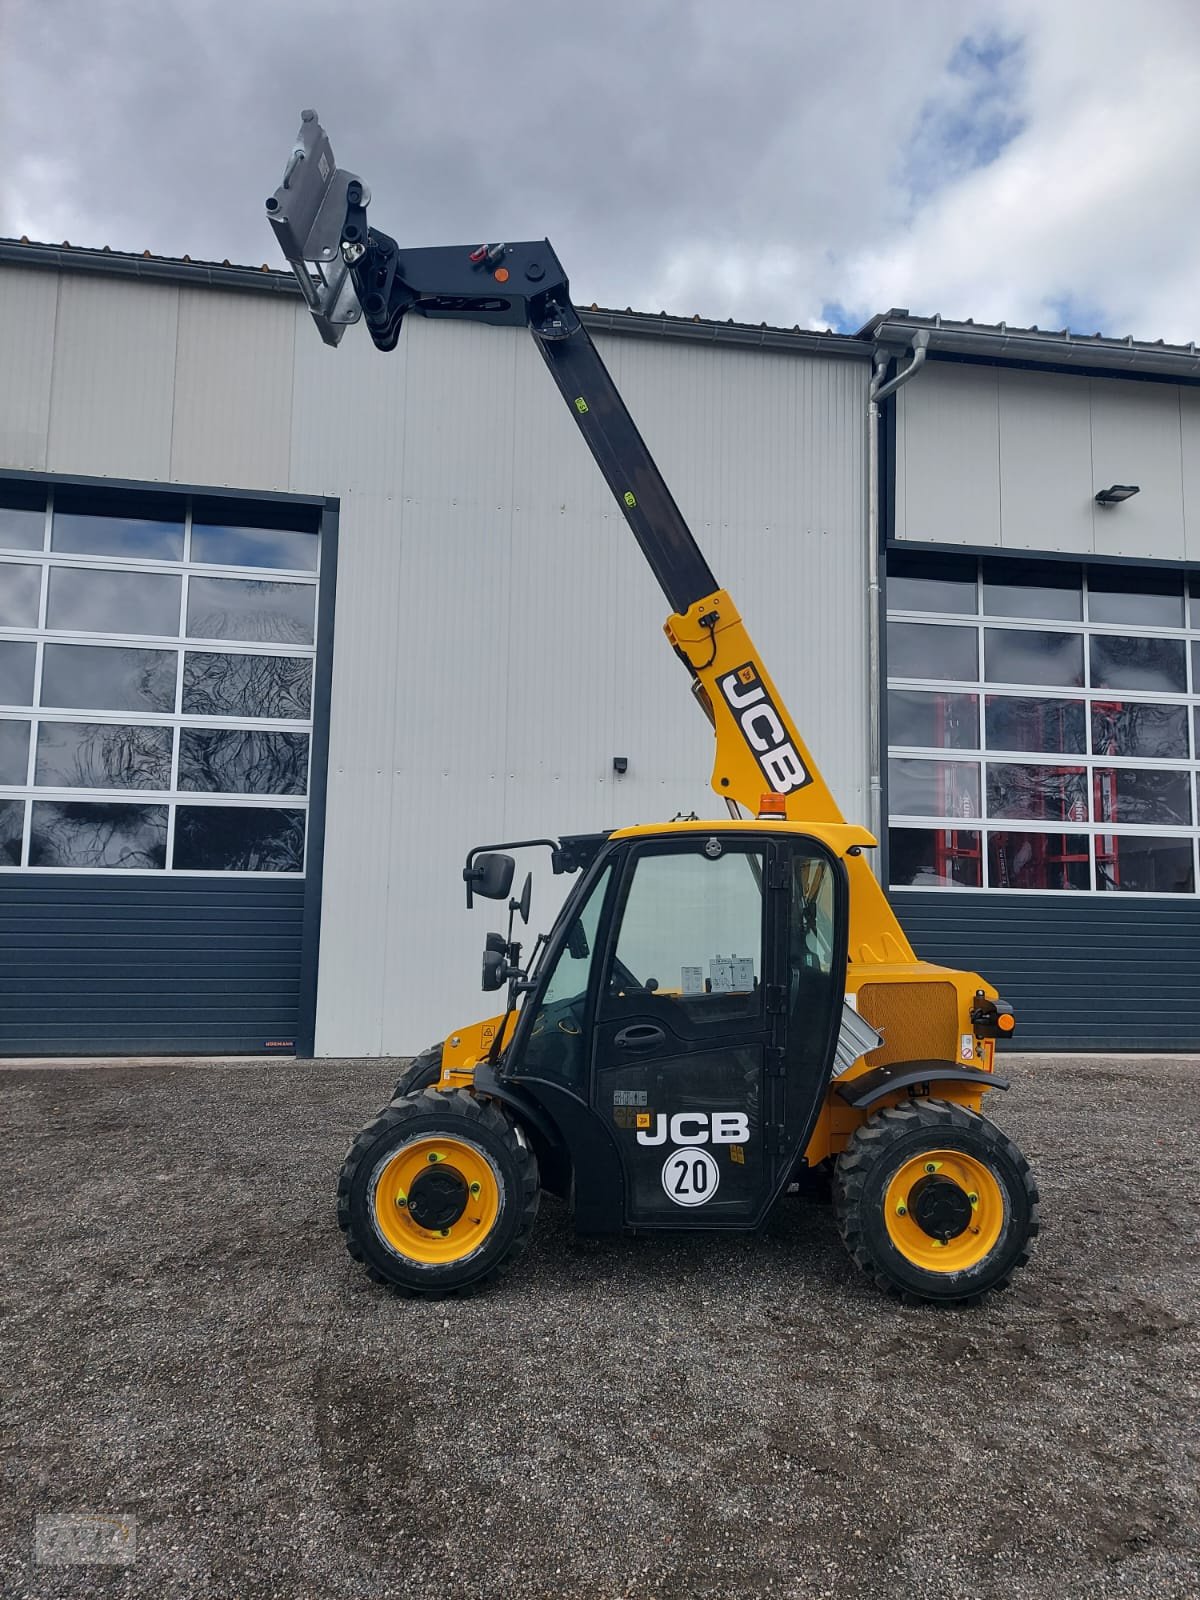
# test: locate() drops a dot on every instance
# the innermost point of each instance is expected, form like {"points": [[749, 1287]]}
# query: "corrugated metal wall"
{"points": [[997, 456], [1095, 973], [498, 636]]}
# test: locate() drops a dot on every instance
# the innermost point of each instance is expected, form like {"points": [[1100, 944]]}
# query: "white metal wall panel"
{"points": [[28, 303], [113, 386], [948, 428], [993, 456], [1045, 451], [1135, 439], [1189, 429], [233, 387]]}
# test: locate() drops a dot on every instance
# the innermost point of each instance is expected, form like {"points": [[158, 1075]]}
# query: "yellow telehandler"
{"points": [[721, 1007]]}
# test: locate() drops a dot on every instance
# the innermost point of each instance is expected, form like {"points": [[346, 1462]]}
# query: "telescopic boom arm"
{"points": [[347, 270]]}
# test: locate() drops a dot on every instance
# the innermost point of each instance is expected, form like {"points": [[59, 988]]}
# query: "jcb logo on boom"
{"points": [[698, 1127], [763, 730]]}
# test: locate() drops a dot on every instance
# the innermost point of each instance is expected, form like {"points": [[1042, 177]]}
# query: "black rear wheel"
{"points": [[438, 1193], [935, 1203]]}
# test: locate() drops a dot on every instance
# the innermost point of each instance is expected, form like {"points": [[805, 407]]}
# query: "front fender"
{"points": [[864, 1091]]}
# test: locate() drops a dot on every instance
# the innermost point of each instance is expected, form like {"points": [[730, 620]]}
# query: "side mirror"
{"points": [[489, 875], [494, 968], [521, 906]]}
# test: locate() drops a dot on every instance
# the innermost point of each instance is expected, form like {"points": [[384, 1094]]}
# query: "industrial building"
{"points": [[284, 632]]}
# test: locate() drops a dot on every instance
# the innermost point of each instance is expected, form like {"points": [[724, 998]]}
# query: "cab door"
{"points": [[686, 1014]]}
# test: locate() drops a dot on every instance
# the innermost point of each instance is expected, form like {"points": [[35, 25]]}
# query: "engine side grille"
{"points": [[918, 1021]]}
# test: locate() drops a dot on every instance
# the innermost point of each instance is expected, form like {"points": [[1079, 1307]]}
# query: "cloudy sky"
{"points": [[794, 161]]}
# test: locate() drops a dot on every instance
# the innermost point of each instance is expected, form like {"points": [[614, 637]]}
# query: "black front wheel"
{"points": [[438, 1193], [935, 1203], [422, 1072]]}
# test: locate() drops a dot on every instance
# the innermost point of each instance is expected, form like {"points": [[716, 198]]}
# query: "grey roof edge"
{"points": [[221, 275], [1035, 346]]}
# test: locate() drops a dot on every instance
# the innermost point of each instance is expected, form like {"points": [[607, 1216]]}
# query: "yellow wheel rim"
{"points": [[463, 1170], [979, 1204]]}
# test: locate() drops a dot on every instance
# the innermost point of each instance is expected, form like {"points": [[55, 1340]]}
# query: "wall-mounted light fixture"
{"points": [[620, 765], [1118, 492]]}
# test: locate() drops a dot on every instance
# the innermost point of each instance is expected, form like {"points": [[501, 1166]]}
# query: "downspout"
{"points": [[879, 391]]}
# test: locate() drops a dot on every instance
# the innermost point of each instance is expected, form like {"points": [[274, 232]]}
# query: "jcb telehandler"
{"points": [[702, 1025]]}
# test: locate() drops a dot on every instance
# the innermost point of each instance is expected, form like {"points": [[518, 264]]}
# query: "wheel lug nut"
{"points": [[931, 1166], [445, 1232], [475, 1187], [902, 1210], [402, 1201], [973, 1198]]}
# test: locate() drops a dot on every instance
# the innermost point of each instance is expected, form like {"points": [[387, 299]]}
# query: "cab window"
{"points": [[556, 1048]]}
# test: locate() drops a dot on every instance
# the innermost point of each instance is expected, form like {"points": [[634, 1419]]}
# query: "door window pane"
{"points": [[1145, 865], [933, 788], [20, 592], [1145, 664], [90, 600], [947, 857], [255, 610], [238, 839], [97, 677], [919, 582], [17, 659], [557, 1046], [691, 935], [242, 761], [1133, 729], [84, 534], [229, 545], [102, 755], [1125, 794], [1027, 656], [12, 826], [22, 516], [87, 833], [947, 720], [1050, 727], [1029, 793], [1123, 594], [14, 751], [1038, 861], [246, 685], [1053, 591], [924, 650]]}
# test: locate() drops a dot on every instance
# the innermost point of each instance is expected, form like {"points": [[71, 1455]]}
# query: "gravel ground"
{"points": [[185, 1342]]}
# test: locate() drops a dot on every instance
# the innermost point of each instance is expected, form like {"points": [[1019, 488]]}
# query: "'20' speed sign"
{"points": [[690, 1177]]}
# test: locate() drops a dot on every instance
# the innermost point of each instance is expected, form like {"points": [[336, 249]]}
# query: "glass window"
{"points": [[1038, 861], [1125, 594], [246, 685], [12, 826], [1028, 656], [917, 581], [1119, 662], [691, 936], [1133, 794], [1028, 793], [14, 751], [1140, 864], [92, 600], [557, 1046], [939, 720], [256, 610], [99, 677], [22, 516], [242, 761], [238, 839], [949, 858], [1052, 590], [17, 661], [89, 833], [20, 592], [1132, 729], [86, 534], [227, 545], [925, 650], [933, 788], [102, 755], [1050, 727]]}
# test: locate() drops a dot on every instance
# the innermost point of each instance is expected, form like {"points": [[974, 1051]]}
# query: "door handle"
{"points": [[642, 1036]]}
